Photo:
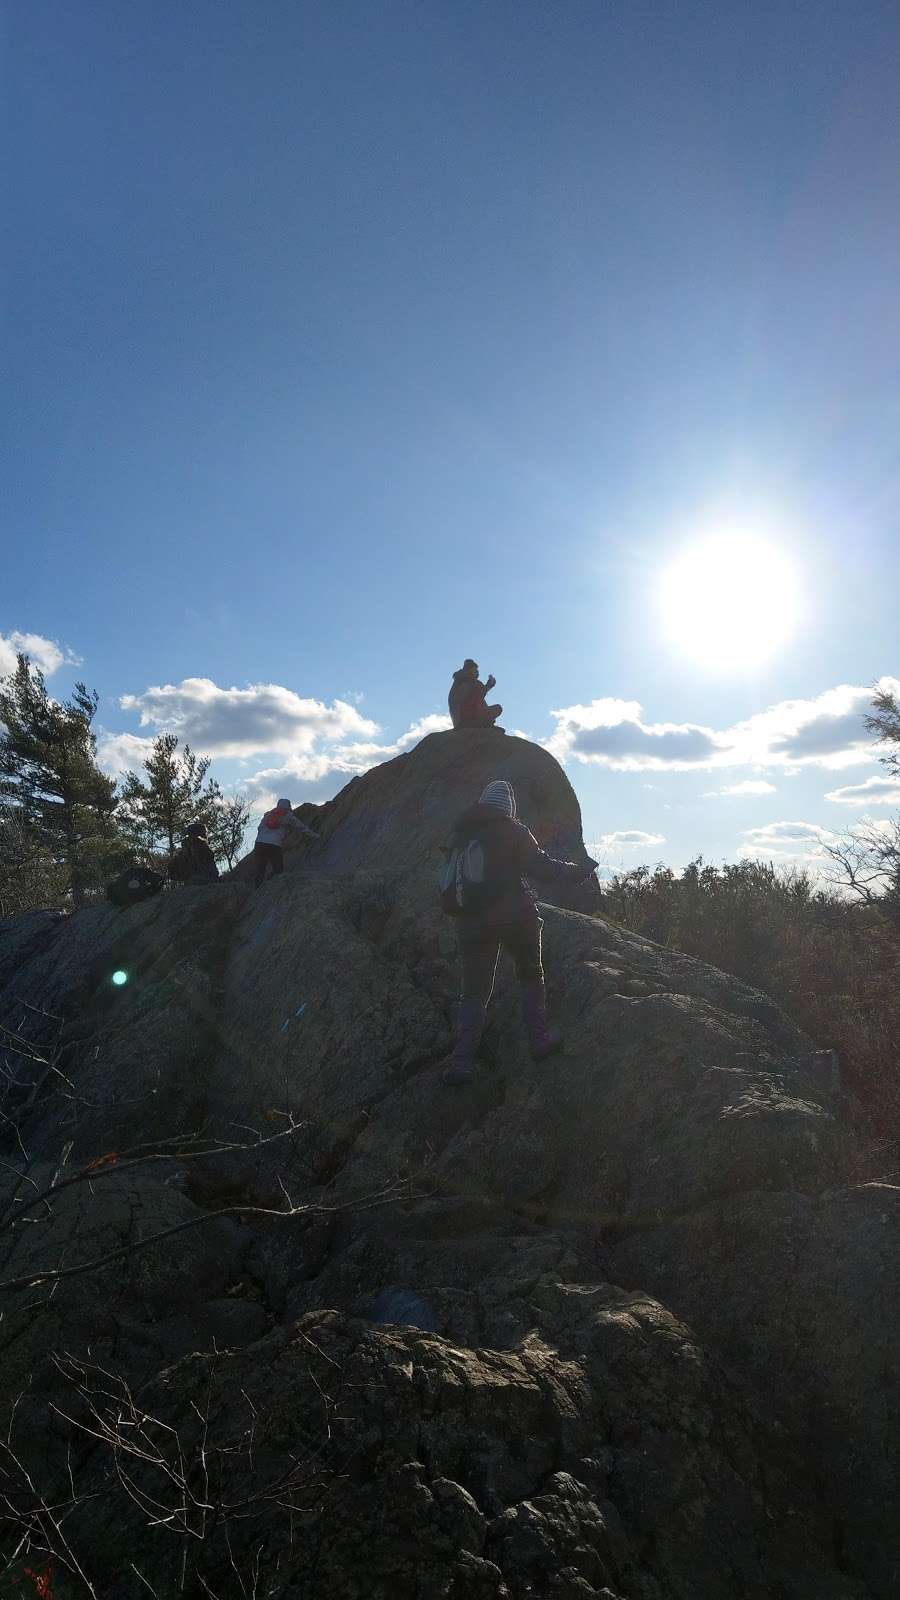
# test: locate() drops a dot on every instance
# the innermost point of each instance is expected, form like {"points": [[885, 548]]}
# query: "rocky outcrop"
{"points": [[622, 1324]]}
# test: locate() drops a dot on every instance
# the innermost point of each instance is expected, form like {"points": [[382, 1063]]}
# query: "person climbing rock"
{"points": [[194, 863], [466, 700], [268, 851], [486, 885]]}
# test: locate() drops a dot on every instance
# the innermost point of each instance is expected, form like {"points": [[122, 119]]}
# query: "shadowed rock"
{"points": [[438, 1346]]}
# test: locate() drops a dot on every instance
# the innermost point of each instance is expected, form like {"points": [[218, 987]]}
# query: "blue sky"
{"points": [[345, 340]]}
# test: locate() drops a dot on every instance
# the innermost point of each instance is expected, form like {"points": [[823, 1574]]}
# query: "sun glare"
{"points": [[729, 600]]}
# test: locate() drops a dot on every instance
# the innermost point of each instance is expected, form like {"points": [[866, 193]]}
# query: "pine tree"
{"points": [[54, 796], [160, 808], [30, 876], [886, 726]]}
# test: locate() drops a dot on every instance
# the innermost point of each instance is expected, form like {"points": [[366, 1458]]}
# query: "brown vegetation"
{"points": [[834, 965]]}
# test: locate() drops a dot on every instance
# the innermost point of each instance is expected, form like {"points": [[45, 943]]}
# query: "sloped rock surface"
{"points": [[428, 1358]]}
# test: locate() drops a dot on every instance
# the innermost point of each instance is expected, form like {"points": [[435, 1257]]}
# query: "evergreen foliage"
{"points": [[885, 724], [158, 808], [57, 807]]}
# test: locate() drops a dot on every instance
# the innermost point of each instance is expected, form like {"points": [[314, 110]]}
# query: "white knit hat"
{"points": [[501, 795]]}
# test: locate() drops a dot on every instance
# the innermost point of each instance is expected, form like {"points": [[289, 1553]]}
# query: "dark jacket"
{"points": [[515, 858], [465, 701], [194, 863], [203, 862]]}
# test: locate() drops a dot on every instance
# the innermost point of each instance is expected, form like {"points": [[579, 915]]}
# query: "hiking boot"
{"points": [[469, 1027], [543, 1037]]}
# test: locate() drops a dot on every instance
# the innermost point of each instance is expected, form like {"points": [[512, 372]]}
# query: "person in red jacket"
{"points": [[466, 700], [268, 850], [508, 921]]}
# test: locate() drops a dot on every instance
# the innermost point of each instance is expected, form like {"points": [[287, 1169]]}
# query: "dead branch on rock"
{"points": [[37, 1521], [37, 1206], [34, 1280], [197, 1483]]}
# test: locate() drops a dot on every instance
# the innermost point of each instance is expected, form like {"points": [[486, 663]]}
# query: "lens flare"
{"points": [[119, 977]]}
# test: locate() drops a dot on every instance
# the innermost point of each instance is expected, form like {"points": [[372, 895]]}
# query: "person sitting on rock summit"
{"points": [[466, 700], [485, 884], [268, 850]]}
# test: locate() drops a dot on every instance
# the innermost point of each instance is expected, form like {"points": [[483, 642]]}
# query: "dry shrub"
{"points": [[833, 965]]}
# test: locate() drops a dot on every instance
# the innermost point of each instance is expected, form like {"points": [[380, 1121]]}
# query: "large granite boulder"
{"points": [[390, 1309]]}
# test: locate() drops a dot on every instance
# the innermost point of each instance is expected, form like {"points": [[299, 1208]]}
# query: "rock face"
{"points": [[623, 1324]]}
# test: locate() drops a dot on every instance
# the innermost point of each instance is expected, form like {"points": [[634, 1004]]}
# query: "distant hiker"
{"points": [[194, 863], [268, 850], [466, 699], [485, 884]]}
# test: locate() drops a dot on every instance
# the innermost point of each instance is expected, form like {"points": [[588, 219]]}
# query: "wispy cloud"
{"points": [[630, 839], [45, 653], [786, 838], [827, 731], [874, 792], [748, 787]]}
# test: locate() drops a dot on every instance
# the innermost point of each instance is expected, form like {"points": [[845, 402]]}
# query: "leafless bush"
{"points": [[201, 1505]]}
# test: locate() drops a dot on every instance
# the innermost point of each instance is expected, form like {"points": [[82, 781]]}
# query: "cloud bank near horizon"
{"points": [[828, 731], [316, 747]]}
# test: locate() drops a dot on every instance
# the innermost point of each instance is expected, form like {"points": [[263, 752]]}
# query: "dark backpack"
{"points": [[469, 882], [133, 885]]}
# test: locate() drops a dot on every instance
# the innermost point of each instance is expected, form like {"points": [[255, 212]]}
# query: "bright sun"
{"points": [[729, 600]]}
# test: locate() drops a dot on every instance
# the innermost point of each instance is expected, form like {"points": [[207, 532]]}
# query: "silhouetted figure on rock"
{"points": [[485, 884], [466, 700], [268, 851], [194, 863]]}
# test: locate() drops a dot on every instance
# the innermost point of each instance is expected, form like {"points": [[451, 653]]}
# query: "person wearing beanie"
{"points": [[508, 920], [268, 851], [466, 700]]}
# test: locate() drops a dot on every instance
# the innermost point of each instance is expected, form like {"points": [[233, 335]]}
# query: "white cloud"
{"points": [[322, 745], [630, 839], [874, 792], [318, 777], [871, 827], [321, 773], [45, 653], [611, 733], [118, 753], [433, 723], [749, 786], [827, 731], [238, 722], [786, 838]]}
